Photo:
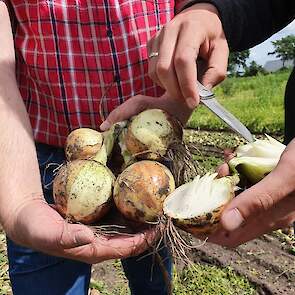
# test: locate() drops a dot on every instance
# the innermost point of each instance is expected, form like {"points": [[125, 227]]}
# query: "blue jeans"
{"points": [[35, 273]]}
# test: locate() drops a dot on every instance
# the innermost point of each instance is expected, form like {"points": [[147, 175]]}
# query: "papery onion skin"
{"points": [[204, 224], [85, 143], [73, 181], [141, 189], [152, 146]]}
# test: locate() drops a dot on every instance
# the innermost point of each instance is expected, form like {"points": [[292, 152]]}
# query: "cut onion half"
{"points": [[196, 206], [257, 159]]}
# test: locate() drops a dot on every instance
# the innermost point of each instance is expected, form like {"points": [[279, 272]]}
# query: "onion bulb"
{"points": [[82, 190], [255, 160], [150, 133], [196, 206], [85, 143], [141, 189]]}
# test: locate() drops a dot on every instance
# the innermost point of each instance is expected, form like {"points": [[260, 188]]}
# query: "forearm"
{"points": [[19, 174], [249, 22]]}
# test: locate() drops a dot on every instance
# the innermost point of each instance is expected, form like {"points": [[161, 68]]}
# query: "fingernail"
{"points": [[105, 126], [232, 219], [191, 102], [209, 86], [83, 237]]}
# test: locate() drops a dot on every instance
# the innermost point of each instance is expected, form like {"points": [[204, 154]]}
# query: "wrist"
{"points": [[9, 215]]}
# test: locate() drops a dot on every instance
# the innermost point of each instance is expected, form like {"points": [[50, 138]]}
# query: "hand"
{"points": [[266, 206], [139, 103], [194, 33], [40, 227]]}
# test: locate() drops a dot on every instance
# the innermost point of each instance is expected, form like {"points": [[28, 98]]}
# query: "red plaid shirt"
{"points": [[72, 53]]}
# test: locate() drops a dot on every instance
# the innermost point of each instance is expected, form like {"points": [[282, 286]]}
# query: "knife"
{"points": [[207, 97]]}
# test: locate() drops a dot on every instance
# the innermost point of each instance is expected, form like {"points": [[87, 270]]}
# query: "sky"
{"points": [[259, 52]]}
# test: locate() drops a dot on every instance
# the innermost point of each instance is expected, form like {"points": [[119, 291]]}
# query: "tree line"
{"points": [[284, 49]]}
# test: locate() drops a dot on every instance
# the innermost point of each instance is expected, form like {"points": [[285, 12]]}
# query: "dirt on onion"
{"points": [[150, 134], [82, 191], [141, 189]]}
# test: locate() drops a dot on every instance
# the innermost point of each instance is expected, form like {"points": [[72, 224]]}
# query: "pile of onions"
{"points": [[144, 191], [83, 187]]}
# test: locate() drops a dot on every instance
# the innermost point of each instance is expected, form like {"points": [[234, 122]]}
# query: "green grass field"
{"points": [[256, 101]]}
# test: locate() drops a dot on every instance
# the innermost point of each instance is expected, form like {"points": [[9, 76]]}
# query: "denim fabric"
{"points": [[35, 273]]}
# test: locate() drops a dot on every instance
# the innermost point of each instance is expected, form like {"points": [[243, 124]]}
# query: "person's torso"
{"points": [[71, 54]]}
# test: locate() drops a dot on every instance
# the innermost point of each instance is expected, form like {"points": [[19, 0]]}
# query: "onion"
{"points": [[82, 190], [150, 133], [255, 160], [141, 189], [85, 143], [196, 206]]}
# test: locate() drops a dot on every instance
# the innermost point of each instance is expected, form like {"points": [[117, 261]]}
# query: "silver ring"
{"points": [[153, 54]]}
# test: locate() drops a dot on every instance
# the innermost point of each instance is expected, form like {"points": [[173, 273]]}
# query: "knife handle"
{"points": [[204, 93]]}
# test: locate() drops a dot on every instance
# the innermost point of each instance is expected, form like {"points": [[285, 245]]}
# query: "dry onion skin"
{"points": [[141, 189], [257, 159], [150, 133], [196, 207], [85, 143], [82, 191]]}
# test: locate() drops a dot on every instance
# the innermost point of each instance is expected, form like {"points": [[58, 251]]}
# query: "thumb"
{"points": [[252, 202], [129, 108], [42, 228], [75, 235]]}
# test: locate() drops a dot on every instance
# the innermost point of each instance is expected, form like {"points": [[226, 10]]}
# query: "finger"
{"points": [[228, 154], [152, 62], [217, 65], [223, 170], [164, 66], [75, 235], [185, 57], [51, 232], [129, 108], [104, 248], [254, 201], [132, 246], [280, 216]]}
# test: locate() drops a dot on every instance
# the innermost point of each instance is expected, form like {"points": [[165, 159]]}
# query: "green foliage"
{"points": [[253, 70], [284, 48], [211, 280], [237, 60], [4, 279], [256, 101]]}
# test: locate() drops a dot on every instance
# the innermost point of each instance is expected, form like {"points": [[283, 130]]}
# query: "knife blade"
{"points": [[207, 97]]}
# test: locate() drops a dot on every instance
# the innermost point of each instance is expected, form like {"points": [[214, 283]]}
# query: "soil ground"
{"points": [[265, 262]]}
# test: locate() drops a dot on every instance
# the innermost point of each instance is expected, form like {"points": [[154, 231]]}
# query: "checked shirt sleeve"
{"points": [[248, 22]]}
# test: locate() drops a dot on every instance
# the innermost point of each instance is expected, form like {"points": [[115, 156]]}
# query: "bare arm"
{"points": [[19, 173]]}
